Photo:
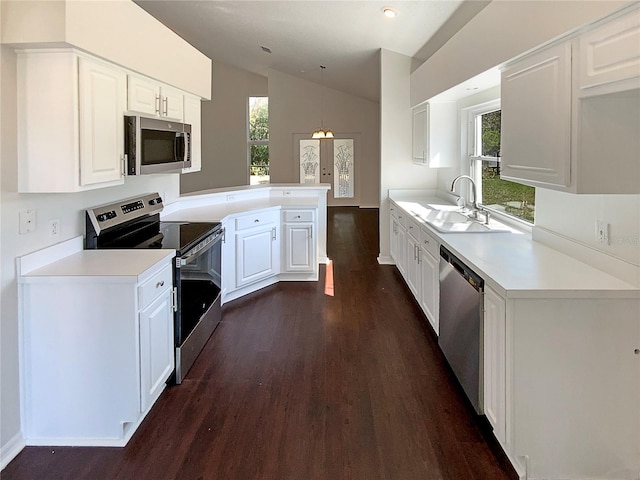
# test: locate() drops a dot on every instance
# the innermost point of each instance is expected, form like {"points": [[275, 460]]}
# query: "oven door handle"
{"points": [[200, 249]]}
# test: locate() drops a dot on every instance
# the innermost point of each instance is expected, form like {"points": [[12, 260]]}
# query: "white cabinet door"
{"points": [[102, 104], [420, 134], [156, 348], [610, 53], [413, 266], [536, 118], [152, 98], [429, 286], [192, 116], [173, 103], [401, 254], [143, 95], [299, 247], [257, 254], [495, 363]]}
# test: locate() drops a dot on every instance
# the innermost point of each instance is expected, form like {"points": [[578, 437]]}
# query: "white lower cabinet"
{"points": [[156, 348], [299, 251], [416, 253], [429, 278], [97, 352], [257, 247], [412, 272], [495, 393]]}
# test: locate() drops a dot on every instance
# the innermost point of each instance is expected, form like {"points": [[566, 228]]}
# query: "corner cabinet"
{"points": [[70, 127], [571, 111], [97, 349], [257, 246]]}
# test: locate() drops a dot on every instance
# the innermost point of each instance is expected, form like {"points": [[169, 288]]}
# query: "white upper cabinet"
{"points": [[434, 131], [610, 53], [153, 98], [192, 116], [102, 102], [70, 128], [536, 118], [420, 134], [571, 112]]}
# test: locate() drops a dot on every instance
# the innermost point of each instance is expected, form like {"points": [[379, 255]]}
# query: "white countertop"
{"points": [[116, 265], [218, 212], [518, 267]]}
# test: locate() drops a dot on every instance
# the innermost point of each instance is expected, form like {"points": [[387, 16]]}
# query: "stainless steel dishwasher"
{"points": [[461, 324]]}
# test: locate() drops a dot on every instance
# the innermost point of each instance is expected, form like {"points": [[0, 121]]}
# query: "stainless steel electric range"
{"points": [[135, 223]]}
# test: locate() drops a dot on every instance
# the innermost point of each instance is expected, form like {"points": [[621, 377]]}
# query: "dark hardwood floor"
{"points": [[298, 385]]}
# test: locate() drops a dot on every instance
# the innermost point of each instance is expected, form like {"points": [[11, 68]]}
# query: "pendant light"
{"points": [[321, 132]]}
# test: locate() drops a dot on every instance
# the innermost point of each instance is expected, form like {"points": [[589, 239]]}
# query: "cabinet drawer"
{"points": [[413, 228], [402, 218], [429, 243], [255, 220], [298, 216], [156, 285]]}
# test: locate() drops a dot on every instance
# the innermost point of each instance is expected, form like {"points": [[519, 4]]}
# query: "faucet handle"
{"points": [[461, 202]]}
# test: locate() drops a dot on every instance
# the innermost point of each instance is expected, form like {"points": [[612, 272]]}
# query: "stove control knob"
{"points": [[155, 201]]}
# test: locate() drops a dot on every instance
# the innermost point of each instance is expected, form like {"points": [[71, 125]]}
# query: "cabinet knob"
{"points": [[256, 220], [160, 284], [426, 242]]}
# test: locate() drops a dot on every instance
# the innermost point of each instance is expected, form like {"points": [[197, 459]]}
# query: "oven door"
{"points": [[198, 282]]}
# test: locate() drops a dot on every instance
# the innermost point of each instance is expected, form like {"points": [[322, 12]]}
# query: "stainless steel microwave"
{"points": [[154, 145]]}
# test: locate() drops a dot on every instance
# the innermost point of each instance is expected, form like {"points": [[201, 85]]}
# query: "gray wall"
{"points": [[294, 108], [224, 130]]}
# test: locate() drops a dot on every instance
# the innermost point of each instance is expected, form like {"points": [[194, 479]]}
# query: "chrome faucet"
{"points": [[476, 207]]}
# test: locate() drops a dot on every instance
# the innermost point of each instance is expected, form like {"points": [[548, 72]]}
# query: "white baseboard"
{"points": [[11, 449], [385, 260]]}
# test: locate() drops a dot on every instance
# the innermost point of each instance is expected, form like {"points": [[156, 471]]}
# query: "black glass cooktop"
{"points": [[181, 236]]}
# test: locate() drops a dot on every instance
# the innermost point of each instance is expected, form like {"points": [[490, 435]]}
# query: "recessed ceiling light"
{"points": [[389, 12]]}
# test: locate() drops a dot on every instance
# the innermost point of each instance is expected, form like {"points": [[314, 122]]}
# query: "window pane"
{"points": [[258, 118], [343, 168], [259, 165], [309, 161], [491, 134], [509, 197]]}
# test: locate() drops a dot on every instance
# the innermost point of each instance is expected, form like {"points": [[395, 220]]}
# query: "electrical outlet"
{"points": [[602, 232], [54, 227], [230, 198], [26, 221]]}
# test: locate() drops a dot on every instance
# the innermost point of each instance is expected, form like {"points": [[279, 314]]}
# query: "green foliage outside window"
{"points": [[259, 131], [510, 197]]}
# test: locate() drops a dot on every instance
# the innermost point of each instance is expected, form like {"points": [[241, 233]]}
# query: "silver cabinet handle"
{"points": [[273, 233], [165, 101], [160, 284], [426, 242], [157, 104], [257, 220]]}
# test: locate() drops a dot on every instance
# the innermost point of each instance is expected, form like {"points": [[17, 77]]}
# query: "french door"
{"points": [[330, 161]]}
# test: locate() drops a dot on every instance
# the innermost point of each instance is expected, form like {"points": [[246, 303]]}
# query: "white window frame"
{"points": [[472, 162], [251, 143]]}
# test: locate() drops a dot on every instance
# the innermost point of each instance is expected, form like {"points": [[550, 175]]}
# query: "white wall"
{"points": [[69, 208], [224, 130], [575, 216], [500, 32], [397, 169], [113, 29], [294, 108]]}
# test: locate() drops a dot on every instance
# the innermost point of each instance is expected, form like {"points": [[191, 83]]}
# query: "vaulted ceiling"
{"points": [[296, 37]]}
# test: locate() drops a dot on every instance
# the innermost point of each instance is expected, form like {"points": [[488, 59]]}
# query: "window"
{"points": [[494, 193], [258, 140]]}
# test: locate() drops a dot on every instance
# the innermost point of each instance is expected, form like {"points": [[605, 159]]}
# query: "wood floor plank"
{"points": [[298, 385]]}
